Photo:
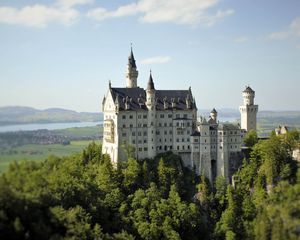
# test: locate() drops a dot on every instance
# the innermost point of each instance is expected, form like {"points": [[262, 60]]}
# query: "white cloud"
{"points": [[37, 15], [241, 39], [293, 30], [72, 3], [156, 60], [190, 12], [295, 27]]}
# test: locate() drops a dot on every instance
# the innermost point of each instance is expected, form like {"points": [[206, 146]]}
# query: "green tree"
{"points": [[251, 138]]}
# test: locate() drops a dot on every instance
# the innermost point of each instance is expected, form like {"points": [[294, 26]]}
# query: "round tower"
{"points": [[248, 110], [248, 96], [150, 103], [131, 72]]}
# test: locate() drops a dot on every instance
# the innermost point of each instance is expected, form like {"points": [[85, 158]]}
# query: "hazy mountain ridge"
{"points": [[22, 115], [231, 112]]}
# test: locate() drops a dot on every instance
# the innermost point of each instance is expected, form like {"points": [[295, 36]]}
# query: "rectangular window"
{"points": [[145, 116], [123, 116], [131, 117], [185, 116], [162, 115], [170, 116]]}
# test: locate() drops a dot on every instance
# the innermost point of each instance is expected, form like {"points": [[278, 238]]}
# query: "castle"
{"points": [[155, 121]]}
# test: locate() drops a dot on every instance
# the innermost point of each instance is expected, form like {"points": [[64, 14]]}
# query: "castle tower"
{"points": [[248, 110], [214, 114], [131, 72], [151, 105]]}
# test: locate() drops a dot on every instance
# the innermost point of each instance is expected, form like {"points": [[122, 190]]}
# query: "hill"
{"points": [[22, 115]]}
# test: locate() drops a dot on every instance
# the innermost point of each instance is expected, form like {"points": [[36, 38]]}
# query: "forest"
{"points": [[83, 196]]}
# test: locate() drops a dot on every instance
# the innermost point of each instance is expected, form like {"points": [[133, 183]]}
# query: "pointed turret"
{"points": [[131, 72], [213, 116], [150, 93], [150, 85], [131, 60]]}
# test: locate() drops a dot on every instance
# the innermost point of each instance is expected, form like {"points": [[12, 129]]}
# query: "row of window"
{"points": [[162, 115], [231, 132], [160, 125]]}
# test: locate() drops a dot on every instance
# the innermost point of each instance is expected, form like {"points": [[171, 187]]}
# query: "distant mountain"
{"points": [[222, 112], [234, 113], [21, 115]]}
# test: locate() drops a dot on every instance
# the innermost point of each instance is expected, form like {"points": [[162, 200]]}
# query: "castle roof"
{"points": [[137, 98], [228, 126], [214, 110], [248, 89]]}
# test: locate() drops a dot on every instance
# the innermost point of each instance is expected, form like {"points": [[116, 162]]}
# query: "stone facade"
{"points": [[153, 121]]}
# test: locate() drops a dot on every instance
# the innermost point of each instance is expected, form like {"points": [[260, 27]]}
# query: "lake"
{"points": [[55, 126], [48, 126]]}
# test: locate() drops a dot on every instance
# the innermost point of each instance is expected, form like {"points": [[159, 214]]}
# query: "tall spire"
{"points": [[150, 85], [131, 60], [131, 73]]}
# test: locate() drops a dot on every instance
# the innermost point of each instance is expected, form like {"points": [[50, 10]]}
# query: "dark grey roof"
{"points": [[136, 98], [131, 60], [228, 126], [178, 97], [214, 111], [150, 85], [248, 89]]}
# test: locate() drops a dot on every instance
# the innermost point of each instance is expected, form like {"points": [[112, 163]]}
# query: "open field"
{"points": [[39, 152], [81, 131]]}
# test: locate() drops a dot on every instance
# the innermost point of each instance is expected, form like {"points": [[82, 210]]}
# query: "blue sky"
{"points": [[62, 53]]}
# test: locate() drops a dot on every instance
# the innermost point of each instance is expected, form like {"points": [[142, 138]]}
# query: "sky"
{"points": [[62, 53]]}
